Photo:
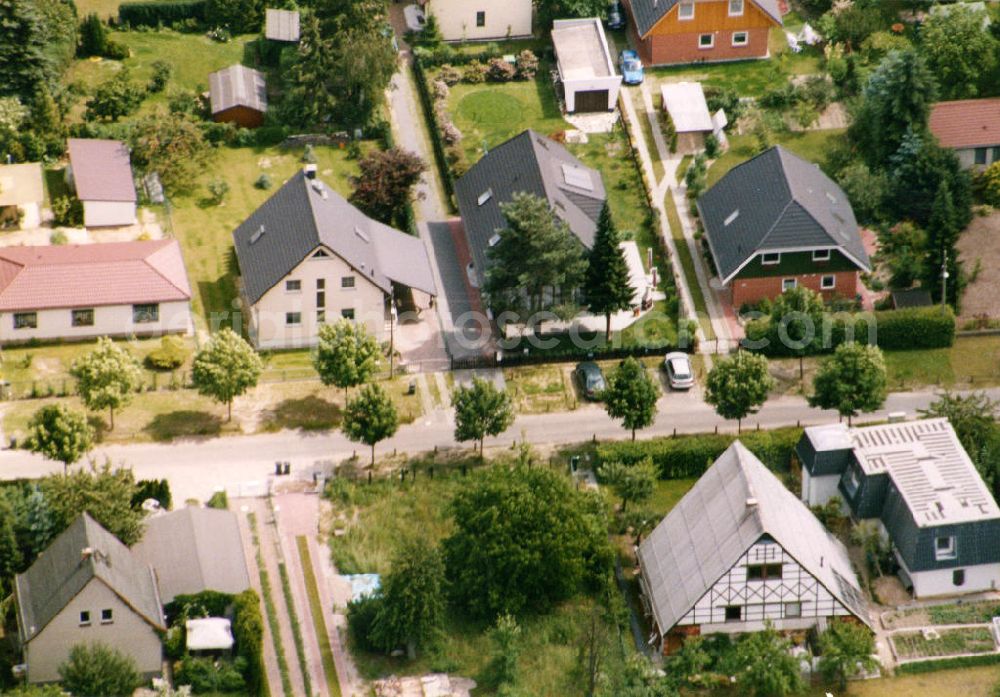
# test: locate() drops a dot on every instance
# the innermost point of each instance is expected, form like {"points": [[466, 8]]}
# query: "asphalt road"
{"points": [[241, 464]]}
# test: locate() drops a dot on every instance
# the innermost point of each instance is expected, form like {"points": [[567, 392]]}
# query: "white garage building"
{"points": [[586, 67], [100, 171]]}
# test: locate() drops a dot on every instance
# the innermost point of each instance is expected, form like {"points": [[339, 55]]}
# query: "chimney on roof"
{"points": [[86, 553], [751, 504], [310, 171]]}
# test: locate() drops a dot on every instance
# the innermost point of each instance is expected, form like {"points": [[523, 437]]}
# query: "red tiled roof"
{"points": [[92, 275], [966, 123], [102, 170]]}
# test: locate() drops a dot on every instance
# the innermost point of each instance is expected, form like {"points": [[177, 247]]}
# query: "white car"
{"points": [[679, 373], [415, 19]]}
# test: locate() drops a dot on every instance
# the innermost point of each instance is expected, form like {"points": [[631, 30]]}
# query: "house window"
{"points": [[851, 481], [107, 616], [321, 317], [764, 572], [25, 320], [944, 548], [821, 255], [321, 298], [740, 38], [293, 286], [706, 40], [980, 156], [480, 19], [347, 282], [347, 313], [144, 314], [293, 318], [735, 8], [793, 609], [82, 318], [788, 284], [320, 284], [768, 258], [686, 10], [995, 155], [85, 618], [734, 613], [320, 254], [827, 282], [958, 577]]}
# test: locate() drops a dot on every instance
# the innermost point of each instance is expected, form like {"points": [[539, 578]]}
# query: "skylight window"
{"points": [[362, 234], [484, 197], [578, 177], [258, 233], [732, 217], [494, 241]]}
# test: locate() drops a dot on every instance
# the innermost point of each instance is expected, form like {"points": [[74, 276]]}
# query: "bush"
{"points": [[206, 675], [987, 184], [158, 489], [450, 75], [499, 70], [116, 51], [58, 238], [527, 65], [170, 356], [217, 189], [475, 73], [67, 211], [689, 456], [916, 328], [205, 604], [162, 71], [218, 500], [360, 619], [93, 36], [440, 90], [248, 632], [156, 14], [263, 182], [712, 147]]}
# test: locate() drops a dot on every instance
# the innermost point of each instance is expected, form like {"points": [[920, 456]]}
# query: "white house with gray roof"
{"points": [[915, 480], [740, 550], [308, 257]]}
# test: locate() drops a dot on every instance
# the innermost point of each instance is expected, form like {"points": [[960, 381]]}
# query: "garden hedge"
{"points": [[155, 14], [689, 456], [427, 102], [986, 659]]}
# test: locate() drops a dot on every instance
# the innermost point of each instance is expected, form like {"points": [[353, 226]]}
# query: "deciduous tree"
{"points": [[481, 409], [796, 323], [631, 395], [107, 377], [172, 145], [103, 492], [346, 355], [973, 417], [846, 648], [768, 669], [58, 433], [738, 386], [226, 368], [851, 381], [370, 417], [98, 670], [117, 97], [607, 287], [635, 482], [385, 185], [959, 50]]}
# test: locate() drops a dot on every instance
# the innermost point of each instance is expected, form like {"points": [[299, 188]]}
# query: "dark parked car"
{"points": [[615, 20], [591, 379]]}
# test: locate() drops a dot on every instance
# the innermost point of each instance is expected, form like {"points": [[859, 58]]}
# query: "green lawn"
{"points": [[687, 267], [968, 682], [811, 145], [103, 8]]}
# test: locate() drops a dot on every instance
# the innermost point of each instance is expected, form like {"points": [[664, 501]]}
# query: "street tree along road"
{"points": [[196, 467]]}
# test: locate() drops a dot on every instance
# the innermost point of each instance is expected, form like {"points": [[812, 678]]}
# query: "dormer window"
{"points": [[821, 255]]}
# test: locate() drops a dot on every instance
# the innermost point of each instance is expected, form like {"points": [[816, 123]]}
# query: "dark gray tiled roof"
{"points": [[193, 550], [305, 214], [527, 163], [714, 524], [62, 571], [237, 85], [648, 12], [780, 203]]}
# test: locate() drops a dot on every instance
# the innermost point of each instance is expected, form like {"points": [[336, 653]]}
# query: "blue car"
{"points": [[631, 67]]}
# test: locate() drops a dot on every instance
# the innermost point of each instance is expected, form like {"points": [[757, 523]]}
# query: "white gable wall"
{"points": [[504, 18], [816, 491], [978, 578], [268, 322], [763, 600], [108, 213]]}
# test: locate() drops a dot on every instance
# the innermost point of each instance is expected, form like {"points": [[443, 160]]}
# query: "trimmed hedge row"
{"points": [[154, 14], [427, 102], [685, 457], [986, 659], [911, 328]]}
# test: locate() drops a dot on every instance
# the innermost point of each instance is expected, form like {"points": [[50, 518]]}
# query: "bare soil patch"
{"points": [[979, 248]]}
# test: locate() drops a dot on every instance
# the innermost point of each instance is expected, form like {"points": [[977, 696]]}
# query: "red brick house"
{"points": [[691, 31], [776, 222]]}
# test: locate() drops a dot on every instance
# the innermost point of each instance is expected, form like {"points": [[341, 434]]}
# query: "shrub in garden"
{"points": [[440, 90], [263, 182], [987, 183], [450, 133], [499, 70], [217, 190], [475, 73], [170, 356], [712, 147], [450, 75], [58, 238], [527, 65], [162, 70], [67, 211]]}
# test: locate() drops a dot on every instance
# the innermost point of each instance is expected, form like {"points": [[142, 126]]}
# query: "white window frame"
{"points": [[85, 618], [680, 10], [950, 552], [293, 319], [785, 287], [746, 38], [293, 286], [705, 47], [823, 284], [788, 610], [110, 616], [742, 6], [348, 283], [821, 255], [765, 255]]}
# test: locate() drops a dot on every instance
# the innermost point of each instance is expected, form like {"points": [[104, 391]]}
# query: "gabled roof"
{"points": [[21, 184], [527, 163], [235, 86], [92, 275], [648, 13], [102, 170], [734, 503], [192, 550], [776, 202], [966, 123], [81, 553], [688, 108], [304, 215], [281, 25]]}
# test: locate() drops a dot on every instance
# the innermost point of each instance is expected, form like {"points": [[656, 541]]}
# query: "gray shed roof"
{"points": [[81, 553], [777, 202], [306, 214], [193, 550], [527, 163], [237, 85], [716, 523], [647, 13], [281, 25]]}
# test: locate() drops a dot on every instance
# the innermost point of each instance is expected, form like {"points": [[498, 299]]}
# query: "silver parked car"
{"points": [[679, 373]]}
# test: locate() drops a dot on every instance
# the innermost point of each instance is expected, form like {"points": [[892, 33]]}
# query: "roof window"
{"points": [[494, 241], [732, 217], [578, 177], [484, 197], [362, 234], [258, 233]]}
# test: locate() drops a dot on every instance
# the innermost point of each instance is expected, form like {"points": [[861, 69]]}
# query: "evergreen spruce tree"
{"points": [[22, 57], [942, 235], [607, 285]]}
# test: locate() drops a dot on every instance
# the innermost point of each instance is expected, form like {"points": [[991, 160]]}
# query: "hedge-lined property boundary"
{"points": [[434, 132], [929, 666], [684, 457], [156, 14]]}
